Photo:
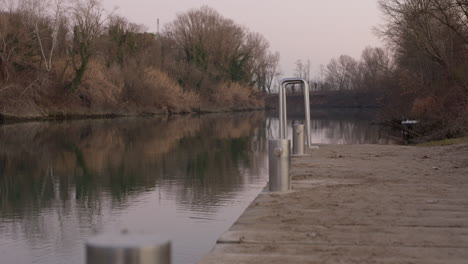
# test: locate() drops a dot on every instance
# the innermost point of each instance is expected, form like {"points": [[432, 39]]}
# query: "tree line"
{"points": [[73, 56], [422, 73], [345, 73]]}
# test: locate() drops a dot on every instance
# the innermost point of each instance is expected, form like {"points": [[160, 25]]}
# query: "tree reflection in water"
{"points": [[62, 181]]}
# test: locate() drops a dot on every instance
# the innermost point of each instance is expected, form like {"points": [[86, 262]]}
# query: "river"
{"points": [[184, 177]]}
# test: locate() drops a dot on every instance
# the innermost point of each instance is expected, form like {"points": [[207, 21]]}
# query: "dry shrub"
{"points": [[97, 91], [233, 94], [117, 75], [443, 114], [63, 70], [423, 106], [240, 93], [25, 95], [97, 94], [153, 89]]}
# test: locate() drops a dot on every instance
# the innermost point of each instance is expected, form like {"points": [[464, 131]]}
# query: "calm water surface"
{"points": [[187, 177]]}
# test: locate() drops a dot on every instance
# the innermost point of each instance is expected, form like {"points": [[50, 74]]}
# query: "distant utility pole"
{"points": [[158, 27]]}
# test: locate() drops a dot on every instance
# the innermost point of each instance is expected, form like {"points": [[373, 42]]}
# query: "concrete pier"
{"points": [[359, 204]]}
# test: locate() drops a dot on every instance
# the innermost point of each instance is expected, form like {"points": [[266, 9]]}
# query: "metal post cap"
{"points": [[278, 151], [299, 128]]}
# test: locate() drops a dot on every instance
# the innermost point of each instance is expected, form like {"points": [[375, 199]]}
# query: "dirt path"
{"points": [[359, 204]]}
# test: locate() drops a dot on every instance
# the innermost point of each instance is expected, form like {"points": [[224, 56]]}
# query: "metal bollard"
{"points": [[128, 249], [279, 165], [298, 140]]}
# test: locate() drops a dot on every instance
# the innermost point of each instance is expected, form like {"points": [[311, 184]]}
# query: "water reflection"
{"points": [[338, 126], [61, 182]]}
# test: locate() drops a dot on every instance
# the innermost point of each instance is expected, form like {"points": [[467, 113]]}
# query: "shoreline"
{"points": [[9, 119]]}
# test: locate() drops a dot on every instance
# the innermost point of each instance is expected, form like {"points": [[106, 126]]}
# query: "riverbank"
{"points": [[8, 119], [359, 204], [52, 100]]}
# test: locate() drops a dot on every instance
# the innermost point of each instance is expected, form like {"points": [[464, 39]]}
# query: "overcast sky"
{"points": [[299, 29]]}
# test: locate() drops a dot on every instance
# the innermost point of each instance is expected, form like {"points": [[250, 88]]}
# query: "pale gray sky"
{"points": [[299, 29]]}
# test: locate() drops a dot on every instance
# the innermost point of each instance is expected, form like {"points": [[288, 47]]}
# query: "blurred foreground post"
{"points": [[128, 249]]}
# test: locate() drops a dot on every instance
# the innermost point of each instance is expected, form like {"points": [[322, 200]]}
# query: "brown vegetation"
{"points": [[430, 43], [81, 61]]}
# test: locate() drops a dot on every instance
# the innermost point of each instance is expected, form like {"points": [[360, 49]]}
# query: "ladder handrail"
{"points": [[282, 107]]}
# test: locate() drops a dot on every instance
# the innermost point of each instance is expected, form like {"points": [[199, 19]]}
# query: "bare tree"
{"points": [[303, 70], [374, 66], [341, 72], [436, 29], [56, 19], [45, 17], [7, 46], [17, 37], [257, 47], [211, 44], [88, 20], [272, 70], [453, 14], [218, 47]]}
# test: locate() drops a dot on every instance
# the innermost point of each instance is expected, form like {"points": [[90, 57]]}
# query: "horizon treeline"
{"points": [[422, 73], [72, 57]]}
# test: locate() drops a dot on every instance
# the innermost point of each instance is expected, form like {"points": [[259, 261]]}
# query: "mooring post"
{"points": [[298, 140], [128, 249], [279, 165]]}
